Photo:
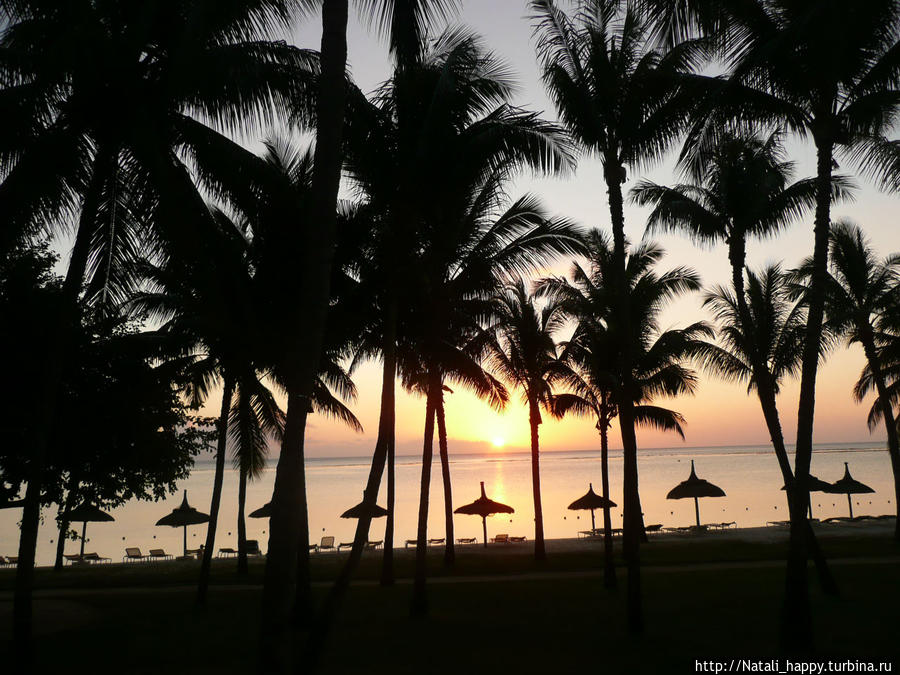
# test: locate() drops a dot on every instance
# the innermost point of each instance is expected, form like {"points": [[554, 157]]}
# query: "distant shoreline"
{"points": [[615, 453]]}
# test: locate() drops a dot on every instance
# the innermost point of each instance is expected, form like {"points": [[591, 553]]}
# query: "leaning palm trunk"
{"points": [[243, 568], [888, 415], [388, 423], [218, 480], [289, 494], [609, 566], [449, 551], [765, 391], [71, 499], [632, 526], [54, 361], [796, 633], [534, 420], [383, 447], [420, 598]]}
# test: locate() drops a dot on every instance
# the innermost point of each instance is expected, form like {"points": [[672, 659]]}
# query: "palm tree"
{"points": [[467, 255], [591, 352], [269, 194], [525, 355], [405, 23], [769, 326], [109, 91], [423, 174], [861, 294], [826, 71], [622, 101], [207, 317], [739, 188]]}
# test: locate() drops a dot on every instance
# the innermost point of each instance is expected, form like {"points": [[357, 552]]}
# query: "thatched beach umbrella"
{"points": [[848, 485], [84, 514], [264, 511], [484, 507], [695, 488], [184, 516], [590, 501], [815, 485], [362, 509]]}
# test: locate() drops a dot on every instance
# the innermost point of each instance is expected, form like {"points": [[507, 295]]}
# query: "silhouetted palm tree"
{"points": [[623, 102], [434, 180], [594, 383], [772, 331], [861, 293], [525, 355], [109, 90], [769, 326], [739, 188], [827, 71], [270, 195]]}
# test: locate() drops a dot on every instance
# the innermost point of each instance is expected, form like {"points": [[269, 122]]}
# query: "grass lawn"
{"points": [[548, 626], [471, 561], [563, 624]]}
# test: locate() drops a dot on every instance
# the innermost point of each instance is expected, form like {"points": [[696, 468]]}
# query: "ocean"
{"points": [[749, 475]]}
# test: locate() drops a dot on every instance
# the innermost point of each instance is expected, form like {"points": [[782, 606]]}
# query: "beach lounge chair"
{"points": [[345, 544], [13, 560], [227, 553], [656, 527], [314, 548], [435, 542], [3, 561], [72, 558], [467, 540], [327, 544], [500, 539], [134, 554], [516, 540], [95, 558], [192, 554], [374, 544], [253, 547], [411, 542], [159, 554]]}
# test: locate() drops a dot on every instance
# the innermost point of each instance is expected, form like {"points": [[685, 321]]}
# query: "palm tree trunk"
{"points": [[54, 361], [449, 551], [289, 495], [71, 499], [888, 414], [796, 631], [534, 420], [281, 572], [243, 567], [388, 422], [765, 391], [384, 448], [609, 566], [420, 598], [631, 508], [218, 480]]}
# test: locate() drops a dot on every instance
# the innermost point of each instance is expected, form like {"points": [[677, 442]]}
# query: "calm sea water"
{"points": [[749, 476]]}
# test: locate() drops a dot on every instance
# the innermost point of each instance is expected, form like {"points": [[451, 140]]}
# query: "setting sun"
{"points": [[498, 442]]}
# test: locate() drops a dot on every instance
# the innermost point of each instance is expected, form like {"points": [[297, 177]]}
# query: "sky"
{"points": [[719, 413]]}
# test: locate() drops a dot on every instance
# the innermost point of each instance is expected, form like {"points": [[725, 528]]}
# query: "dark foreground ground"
{"points": [[496, 612]]}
